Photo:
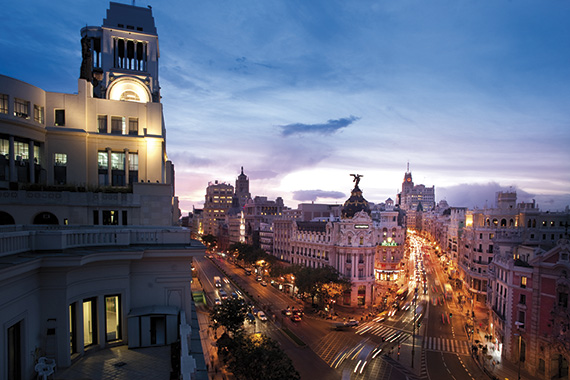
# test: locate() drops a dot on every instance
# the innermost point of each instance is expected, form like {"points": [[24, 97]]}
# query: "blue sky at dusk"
{"points": [[475, 95]]}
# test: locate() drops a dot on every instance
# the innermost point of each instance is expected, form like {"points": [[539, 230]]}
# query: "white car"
{"points": [[261, 315], [217, 301]]}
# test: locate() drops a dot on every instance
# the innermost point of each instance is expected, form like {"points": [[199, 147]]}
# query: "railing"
{"points": [[18, 239]]}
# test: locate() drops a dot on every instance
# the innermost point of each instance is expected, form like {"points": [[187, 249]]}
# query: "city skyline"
{"points": [[473, 95]]}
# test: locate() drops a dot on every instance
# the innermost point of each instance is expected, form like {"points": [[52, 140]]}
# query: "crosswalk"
{"points": [[388, 334], [446, 345]]}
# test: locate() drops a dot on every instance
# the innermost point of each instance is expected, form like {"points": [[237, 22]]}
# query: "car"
{"points": [[226, 280], [261, 315], [286, 312], [392, 312], [263, 283], [259, 278], [352, 322], [296, 318], [217, 301], [234, 295]]}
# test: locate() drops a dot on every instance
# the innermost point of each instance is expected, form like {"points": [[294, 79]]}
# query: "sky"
{"points": [[473, 94]]}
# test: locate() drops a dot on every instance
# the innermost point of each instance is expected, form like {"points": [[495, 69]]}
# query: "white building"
{"points": [[89, 257]]}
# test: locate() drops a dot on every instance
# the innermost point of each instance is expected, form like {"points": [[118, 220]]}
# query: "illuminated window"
{"points": [[60, 159], [3, 103], [21, 108], [133, 161], [21, 149], [130, 96], [523, 281], [102, 160], [89, 322], [39, 114]]}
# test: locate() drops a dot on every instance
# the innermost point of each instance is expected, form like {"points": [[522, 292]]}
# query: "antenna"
{"points": [[407, 167]]}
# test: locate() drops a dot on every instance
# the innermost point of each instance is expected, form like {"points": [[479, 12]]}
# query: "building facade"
{"points": [[217, 201]]}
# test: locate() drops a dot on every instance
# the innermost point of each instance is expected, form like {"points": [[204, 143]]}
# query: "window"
{"points": [[117, 161], [39, 114], [89, 322], [102, 123], [133, 167], [113, 318], [523, 281], [133, 126], [522, 299], [521, 317], [110, 217], [60, 169], [15, 349], [21, 108], [130, 96], [21, 150], [563, 300], [117, 125], [3, 103], [59, 118], [72, 329], [102, 160]]}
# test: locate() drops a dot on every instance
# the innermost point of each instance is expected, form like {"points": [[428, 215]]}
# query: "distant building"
{"points": [[218, 200], [415, 199]]}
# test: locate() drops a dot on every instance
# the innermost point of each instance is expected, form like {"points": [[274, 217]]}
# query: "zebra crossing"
{"points": [[388, 334], [446, 345]]}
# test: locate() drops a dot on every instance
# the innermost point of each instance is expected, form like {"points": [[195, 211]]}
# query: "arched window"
{"points": [[6, 218], [503, 222], [495, 222], [511, 223], [528, 223]]}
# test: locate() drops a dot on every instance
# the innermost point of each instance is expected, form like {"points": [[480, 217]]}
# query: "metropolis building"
{"points": [[365, 250], [89, 253]]}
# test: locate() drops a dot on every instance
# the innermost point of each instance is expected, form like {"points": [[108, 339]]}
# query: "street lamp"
{"points": [[414, 326]]}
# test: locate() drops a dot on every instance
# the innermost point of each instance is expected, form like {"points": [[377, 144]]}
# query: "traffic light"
{"points": [[450, 315], [419, 324]]}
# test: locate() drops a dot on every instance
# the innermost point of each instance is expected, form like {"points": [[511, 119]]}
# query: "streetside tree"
{"points": [[256, 356], [230, 315]]}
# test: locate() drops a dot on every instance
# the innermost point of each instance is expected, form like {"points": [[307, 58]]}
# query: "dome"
{"points": [[354, 204]]}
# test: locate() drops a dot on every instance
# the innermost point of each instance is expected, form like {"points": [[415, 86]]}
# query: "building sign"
{"points": [[361, 226]]}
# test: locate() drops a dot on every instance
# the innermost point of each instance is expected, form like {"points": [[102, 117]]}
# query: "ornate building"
{"points": [[360, 248]]}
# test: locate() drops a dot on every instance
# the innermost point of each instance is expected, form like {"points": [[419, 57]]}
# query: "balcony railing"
{"points": [[18, 239]]}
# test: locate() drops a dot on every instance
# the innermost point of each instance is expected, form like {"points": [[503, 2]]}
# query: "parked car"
{"points": [[263, 283], [261, 315]]}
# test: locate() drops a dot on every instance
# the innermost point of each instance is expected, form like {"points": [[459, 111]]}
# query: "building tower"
{"points": [[242, 188], [120, 58]]}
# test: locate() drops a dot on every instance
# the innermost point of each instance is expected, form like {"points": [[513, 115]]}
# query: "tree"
{"points": [[210, 240], [229, 315], [312, 281], [256, 357]]}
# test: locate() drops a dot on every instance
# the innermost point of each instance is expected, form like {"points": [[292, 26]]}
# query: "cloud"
{"points": [[328, 128], [312, 195]]}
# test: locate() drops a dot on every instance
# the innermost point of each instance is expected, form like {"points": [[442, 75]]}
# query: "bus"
{"points": [[448, 292]]}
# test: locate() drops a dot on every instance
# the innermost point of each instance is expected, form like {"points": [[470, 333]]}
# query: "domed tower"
{"points": [[356, 202]]}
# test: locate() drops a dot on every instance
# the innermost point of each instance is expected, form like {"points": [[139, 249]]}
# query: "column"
{"points": [[31, 164], [109, 167], [126, 150], [13, 172]]}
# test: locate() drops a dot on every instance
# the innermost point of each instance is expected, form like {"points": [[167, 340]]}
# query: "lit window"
{"points": [[102, 160], [39, 114], [523, 281], [3, 103], [21, 108], [60, 159]]}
